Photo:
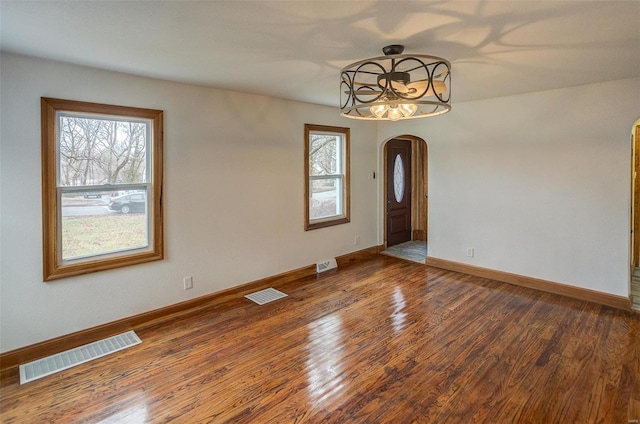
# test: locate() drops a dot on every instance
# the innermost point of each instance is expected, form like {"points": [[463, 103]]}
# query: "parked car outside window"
{"points": [[92, 194], [134, 202]]}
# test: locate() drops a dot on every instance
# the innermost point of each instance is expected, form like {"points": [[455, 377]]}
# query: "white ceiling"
{"points": [[295, 49]]}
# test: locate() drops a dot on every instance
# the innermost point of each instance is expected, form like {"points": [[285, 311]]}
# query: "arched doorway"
{"points": [[405, 197]]}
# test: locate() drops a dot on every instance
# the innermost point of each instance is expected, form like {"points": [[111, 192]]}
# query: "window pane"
{"points": [[94, 223], [95, 151], [326, 198], [398, 178], [324, 151]]}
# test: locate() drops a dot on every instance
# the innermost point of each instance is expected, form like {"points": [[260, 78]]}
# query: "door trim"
{"points": [[635, 174]]}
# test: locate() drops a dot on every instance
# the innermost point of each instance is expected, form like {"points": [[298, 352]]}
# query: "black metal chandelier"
{"points": [[396, 86]]}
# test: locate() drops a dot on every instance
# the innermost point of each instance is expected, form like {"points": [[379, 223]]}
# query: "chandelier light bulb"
{"points": [[394, 113], [408, 109], [379, 110]]}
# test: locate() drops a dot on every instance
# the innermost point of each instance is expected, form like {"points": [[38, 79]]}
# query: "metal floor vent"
{"points": [[326, 265], [265, 296], [79, 355]]}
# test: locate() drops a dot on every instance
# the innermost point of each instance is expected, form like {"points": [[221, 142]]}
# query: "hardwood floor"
{"points": [[380, 341]]}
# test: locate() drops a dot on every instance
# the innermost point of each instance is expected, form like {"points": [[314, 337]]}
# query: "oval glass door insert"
{"points": [[398, 178]]}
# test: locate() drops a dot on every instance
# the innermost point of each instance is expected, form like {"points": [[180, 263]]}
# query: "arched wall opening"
{"points": [[418, 191]]}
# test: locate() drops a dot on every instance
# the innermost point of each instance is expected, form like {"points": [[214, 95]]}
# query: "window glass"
{"points": [[326, 199]]}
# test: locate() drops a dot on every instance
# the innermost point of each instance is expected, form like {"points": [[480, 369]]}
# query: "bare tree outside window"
{"points": [[99, 151]]}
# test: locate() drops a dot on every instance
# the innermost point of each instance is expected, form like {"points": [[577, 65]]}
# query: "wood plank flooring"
{"points": [[380, 341]]}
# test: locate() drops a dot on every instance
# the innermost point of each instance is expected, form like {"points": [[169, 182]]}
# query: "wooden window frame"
{"points": [[53, 265], [346, 178]]}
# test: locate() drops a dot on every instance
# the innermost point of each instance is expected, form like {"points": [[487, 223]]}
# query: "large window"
{"points": [[326, 176], [101, 187]]}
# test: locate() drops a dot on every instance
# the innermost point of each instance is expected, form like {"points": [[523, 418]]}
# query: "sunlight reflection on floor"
{"points": [[324, 364]]}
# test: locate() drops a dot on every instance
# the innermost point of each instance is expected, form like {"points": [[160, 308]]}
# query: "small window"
{"points": [[326, 176], [101, 187]]}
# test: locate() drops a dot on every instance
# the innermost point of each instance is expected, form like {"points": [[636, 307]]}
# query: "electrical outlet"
{"points": [[188, 283], [356, 240], [470, 252]]}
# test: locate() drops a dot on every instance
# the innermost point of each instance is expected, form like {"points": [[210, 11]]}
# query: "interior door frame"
{"points": [[419, 188], [635, 197]]}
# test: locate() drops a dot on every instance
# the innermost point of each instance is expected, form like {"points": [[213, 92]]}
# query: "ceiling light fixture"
{"points": [[396, 86]]}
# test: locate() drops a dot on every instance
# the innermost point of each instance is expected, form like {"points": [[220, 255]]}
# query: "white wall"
{"points": [[233, 197], [537, 184]]}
